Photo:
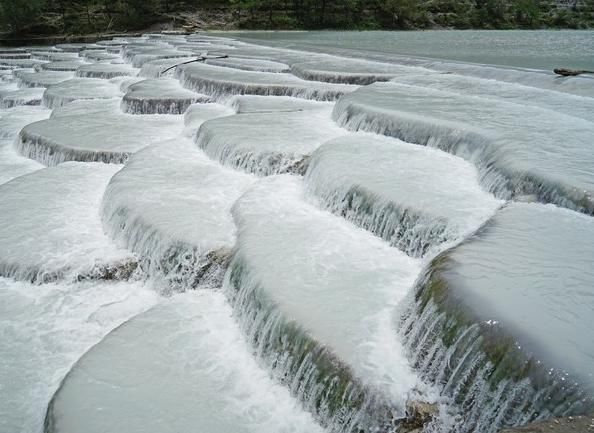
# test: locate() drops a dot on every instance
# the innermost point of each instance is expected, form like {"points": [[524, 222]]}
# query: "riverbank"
{"points": [[90, 20]]}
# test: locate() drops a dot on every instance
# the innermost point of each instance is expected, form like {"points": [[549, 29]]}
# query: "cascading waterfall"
{"points": [[221, 83], [322, 382], [342, 219], [488, 378], [509, 165]]}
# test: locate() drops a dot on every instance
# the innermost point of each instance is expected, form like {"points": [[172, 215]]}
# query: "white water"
{"points": [[181, 223], [511, 273], [12, 98], [197, 114], [159, 96], [44, 330], [250, 64], [180, 366], [77, 88], [158, 68], [65, 65], [265, 104], [41, 79], [11, 121], [339, 286], [222, 82], [572, 105], [239, 141], [55, 246], [414, 197], [105, 70], [351, 71], [516, 147], [284, 348], [108, 135]]}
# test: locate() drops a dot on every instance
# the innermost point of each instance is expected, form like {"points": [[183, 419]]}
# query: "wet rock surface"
{"points": [[572, 424]]}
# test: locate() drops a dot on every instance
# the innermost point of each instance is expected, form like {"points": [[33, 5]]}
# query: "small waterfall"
{"points": [[37, 147], [184, 240], [175, 265], [159, 96], [472, 145], [476, 364], [213, 84], [132, 105], [325, 386], [410, 231], [21, 97], [106, 72], [312, 71], [261, 163], [125, 270]]}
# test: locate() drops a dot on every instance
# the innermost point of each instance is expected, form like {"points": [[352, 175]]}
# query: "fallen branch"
{"points": [[570, 72], [199, 59]]}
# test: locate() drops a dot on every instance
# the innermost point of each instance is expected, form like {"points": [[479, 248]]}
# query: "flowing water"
{"points": [[304, 233]]}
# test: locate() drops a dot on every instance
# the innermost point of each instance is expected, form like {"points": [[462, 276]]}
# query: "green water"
{"points": [[540, 49]]}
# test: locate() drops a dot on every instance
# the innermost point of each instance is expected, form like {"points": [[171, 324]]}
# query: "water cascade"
{"points": [[415, 198], [515, 147], [315, 239], [159, 96], [320, 317], [222, 82], [41, 79], [161, 224], [482, 330], [104, 70], [36, 204], [239, 142], [106, 136]]}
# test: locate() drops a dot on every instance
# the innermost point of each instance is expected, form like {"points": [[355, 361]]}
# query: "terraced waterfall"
{"points": [[290, 240]]}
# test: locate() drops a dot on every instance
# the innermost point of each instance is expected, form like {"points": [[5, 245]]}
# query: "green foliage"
{"points": [[85, 16], [15, 14]]}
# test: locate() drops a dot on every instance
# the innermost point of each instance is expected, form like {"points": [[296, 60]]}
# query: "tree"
{"points": [[402, 12], [17, 14], [527, 13]]}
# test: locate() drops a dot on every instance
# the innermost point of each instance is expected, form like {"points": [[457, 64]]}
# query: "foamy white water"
{"points": [[321, 322], [240, 142], [181, 224], [50, 226], [107, 135], [44, 330], [339, 287], [182, 365], [414, 197]]}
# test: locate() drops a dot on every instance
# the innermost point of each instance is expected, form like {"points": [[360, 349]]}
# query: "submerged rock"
{"points": [[321, 316], [419, 414], [416, 198], [78, 88], [181, 366]]}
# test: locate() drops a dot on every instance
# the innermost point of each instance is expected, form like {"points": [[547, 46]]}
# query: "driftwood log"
{"points": [[202, 58], [570, 72]]}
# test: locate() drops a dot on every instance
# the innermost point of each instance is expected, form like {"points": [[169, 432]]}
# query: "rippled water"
{"points": [[540, 49]]}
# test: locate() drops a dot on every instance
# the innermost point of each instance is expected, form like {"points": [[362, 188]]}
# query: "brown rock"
{"points": [[418, 415]]}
